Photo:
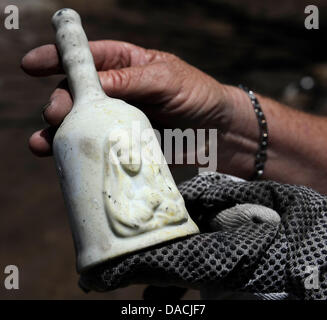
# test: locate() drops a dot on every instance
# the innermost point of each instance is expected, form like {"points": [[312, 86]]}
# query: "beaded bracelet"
{"points": [[261, 155]]}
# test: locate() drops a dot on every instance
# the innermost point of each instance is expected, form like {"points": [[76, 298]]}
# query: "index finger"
{"points": [[107, 54]]}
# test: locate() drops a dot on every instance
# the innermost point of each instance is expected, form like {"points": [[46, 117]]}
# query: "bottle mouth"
{"points": [[64, 16]]}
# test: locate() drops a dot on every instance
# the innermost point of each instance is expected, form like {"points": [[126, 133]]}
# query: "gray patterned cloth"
{"points": [[259, 239]]}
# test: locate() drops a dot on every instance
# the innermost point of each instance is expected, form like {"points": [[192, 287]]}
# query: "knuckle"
{"points": [[154, 55], [119, 79]]}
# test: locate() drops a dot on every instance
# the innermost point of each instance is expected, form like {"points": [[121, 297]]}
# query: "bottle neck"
{"points": [[76, 57]]}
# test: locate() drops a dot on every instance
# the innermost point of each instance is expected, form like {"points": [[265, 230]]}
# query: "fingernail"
{"points": [[44, 108]]}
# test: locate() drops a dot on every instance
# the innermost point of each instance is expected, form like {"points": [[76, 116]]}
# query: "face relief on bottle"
{"points": [[120, 195]]}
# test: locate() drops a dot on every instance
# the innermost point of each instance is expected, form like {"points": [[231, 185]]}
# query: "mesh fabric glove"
{"points": [[262, 238]]}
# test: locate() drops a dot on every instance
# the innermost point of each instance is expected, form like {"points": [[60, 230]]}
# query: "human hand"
{"points": [[167, 89], [267, 245]]}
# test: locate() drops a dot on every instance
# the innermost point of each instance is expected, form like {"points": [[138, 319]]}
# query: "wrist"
{"points": [[242, 117], [237, 146]]}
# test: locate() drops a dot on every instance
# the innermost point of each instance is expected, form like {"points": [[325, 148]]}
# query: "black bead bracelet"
{"points": [[261, 155]]}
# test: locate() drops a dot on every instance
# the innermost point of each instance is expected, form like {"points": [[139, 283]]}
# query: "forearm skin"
{"points": [[297, 146]]}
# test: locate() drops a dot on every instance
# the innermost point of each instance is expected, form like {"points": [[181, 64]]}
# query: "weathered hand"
{"points": [[167, 89]]}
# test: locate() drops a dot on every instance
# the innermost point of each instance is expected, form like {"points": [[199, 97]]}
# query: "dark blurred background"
{"points": [[260, 43]]}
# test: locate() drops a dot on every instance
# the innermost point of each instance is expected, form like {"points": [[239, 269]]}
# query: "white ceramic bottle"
{"points": [[120, 198]]}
